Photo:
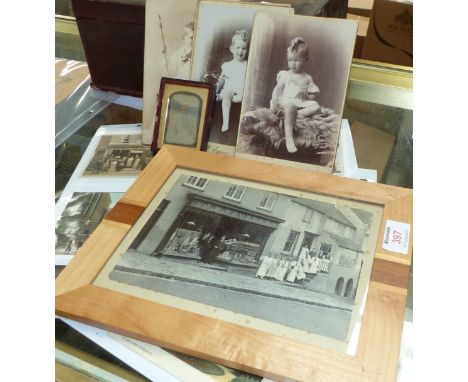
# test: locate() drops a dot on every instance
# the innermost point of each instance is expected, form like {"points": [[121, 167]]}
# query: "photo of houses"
{"points": [[246, 249]]}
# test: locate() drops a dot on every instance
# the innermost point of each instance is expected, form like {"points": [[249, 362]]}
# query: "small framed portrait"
{"points": [[183, 113]]}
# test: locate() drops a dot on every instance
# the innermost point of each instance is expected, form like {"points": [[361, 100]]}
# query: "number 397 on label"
{"points": [[396, 237]]}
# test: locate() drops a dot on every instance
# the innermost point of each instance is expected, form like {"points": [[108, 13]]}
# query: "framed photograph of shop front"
{"points": [[301, 275], [183, 114]]}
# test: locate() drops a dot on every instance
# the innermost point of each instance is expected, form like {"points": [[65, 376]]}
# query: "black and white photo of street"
{"points": [[289, 260], [79, 219], [119, 155]]}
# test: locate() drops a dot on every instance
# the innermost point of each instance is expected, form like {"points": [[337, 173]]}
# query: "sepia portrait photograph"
{"points": [[295, 90], [221, 52], [271, 258], [79, 219], [119, 155], [168, 51]]}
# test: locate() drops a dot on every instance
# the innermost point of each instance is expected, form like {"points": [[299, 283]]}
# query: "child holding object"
{"points": [[295, 90], [179, 62], [230, 86]]}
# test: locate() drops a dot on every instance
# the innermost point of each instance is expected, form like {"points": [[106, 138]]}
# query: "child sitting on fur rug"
{"points": [[294, 93]]}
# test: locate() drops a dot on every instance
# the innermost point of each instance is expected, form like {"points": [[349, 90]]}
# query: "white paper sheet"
{"points": [[80, 183], [346, 162], [132, 359]]}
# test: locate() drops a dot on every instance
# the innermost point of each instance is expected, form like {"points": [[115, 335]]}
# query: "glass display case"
{"points": [[379, 104], [381, 98]]}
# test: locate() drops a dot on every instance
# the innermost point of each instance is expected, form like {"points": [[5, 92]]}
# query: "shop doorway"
{"points": [[183, 237], [149, 225], [244, 241]]}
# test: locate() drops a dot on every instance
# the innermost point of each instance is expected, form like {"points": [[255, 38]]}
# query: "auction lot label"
{"points": [[396, 237]]}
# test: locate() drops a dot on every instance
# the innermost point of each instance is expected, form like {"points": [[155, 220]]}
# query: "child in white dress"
{"points": [[263, 268], [282, 269], [230, 86], [179, 62], [270, 274], [295, 90]]}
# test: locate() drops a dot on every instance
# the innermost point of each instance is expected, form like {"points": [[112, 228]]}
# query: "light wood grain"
{"points": [[390, 273], [91, 257], [233, 345], [150, 181], [251, 350], [380, 338], [389, 288], [267, 173]]}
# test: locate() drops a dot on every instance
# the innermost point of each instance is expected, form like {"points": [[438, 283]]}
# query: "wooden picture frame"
{"points": [[183, 113], [79, 296]]}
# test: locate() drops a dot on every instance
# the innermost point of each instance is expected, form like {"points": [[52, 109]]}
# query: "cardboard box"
{"points": [[112, 33], [390, 35], [360, 7], [363, 26]]}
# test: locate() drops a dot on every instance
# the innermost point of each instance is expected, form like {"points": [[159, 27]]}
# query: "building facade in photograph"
{"points": [[246, 217], [119, 153], [334, 233], [254, 222]]}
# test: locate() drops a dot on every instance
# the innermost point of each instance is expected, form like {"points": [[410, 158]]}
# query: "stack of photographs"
{"points": [[220, 56], [280, 79], [111, 163], [269, 254]]}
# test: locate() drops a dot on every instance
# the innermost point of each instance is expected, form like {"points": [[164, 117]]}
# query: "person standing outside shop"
{"points": [[274, 263], [217, 248], [264, 265], [205, 244]]}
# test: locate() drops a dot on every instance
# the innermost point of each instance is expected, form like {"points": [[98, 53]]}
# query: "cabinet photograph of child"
{"points": [[221, 51], [168, 51], [295, 89]]}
